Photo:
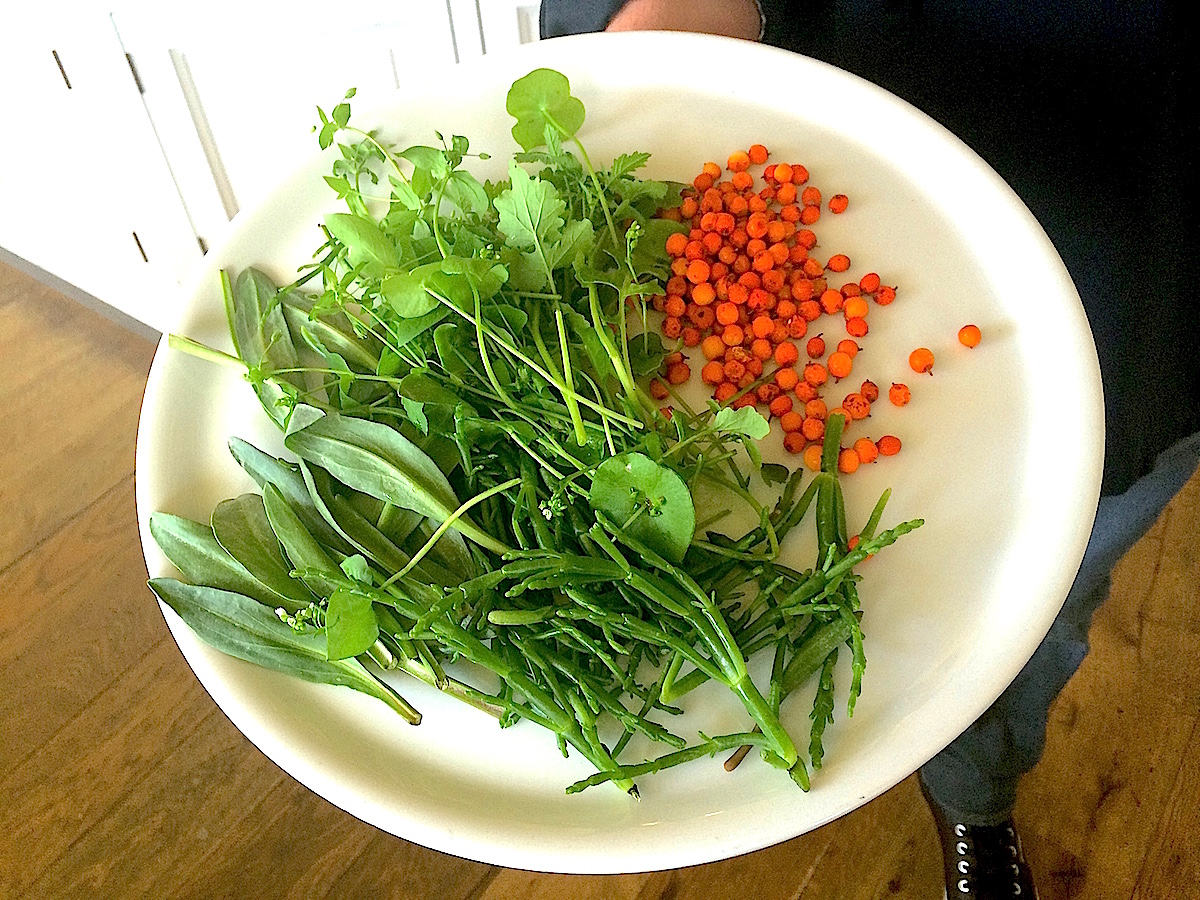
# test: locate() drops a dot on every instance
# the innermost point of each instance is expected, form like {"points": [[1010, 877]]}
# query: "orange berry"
{"points": [[739, 161], [698, 271], [869, 283], [921, 360], [712, 347], [794, 442], [815, 374], [969, 335], [786, 354], [780, 406], [866, 450], [812, 457], [791, 421], [855, 307], [678, 373], [889, 445], [786, 378], [816, 409], [713, 372], [856, 405], [840, 364]]}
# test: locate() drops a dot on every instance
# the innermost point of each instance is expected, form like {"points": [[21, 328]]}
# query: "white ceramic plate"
{"points": [[952, 612]]}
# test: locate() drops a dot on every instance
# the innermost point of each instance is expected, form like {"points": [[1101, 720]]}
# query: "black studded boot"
{"points": [[981, 862]]}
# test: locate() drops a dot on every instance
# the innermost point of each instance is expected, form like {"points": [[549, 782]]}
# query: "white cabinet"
{"points": [[134, 132], [85, 192]]}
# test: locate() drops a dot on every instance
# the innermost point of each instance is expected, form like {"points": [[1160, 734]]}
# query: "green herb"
{"points": [[480, 476]]}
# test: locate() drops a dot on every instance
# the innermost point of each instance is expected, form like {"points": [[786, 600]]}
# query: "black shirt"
{"points": [[1083, 108]]}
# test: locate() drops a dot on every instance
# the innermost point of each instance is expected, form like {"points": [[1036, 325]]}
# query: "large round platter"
{"points": [[953, 611]]}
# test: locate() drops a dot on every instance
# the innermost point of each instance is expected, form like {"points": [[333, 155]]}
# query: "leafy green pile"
{"points": [[458, 339]]}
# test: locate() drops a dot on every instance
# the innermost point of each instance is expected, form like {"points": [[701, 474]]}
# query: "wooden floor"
{"points": [[119, 778]]}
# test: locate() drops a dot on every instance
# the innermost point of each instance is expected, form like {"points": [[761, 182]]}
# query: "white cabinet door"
{"points": [[233, 87], [507, 23], [134, 132], [85, 193]]}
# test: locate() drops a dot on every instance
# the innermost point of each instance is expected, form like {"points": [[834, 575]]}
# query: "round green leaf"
{"points": [[649, 500], [543, 97]]}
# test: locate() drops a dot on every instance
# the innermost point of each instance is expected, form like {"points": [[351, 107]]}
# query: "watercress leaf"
{"points": [[465, 192], [409, 329], [405, 197], [459, 273], [407, 293], [646, 353], [745, 421], [357, 569], [340, 185], [242, 528], [543, 98], [525, 270], [325, 136], [420, 387], [427, 159], [774, 473], [366, 245], [350, 625], [507, 317], [415, 410], [453, 348], [650, 501]]}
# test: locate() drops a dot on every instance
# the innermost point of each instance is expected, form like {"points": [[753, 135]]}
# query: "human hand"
{"points": [[731, 18]]}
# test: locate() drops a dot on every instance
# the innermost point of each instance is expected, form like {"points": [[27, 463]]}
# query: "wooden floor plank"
{"points": [[84, 614], [159, 828], [1172, 867], [296, 845], [1120, 731], [71, 406], [77, 778]]}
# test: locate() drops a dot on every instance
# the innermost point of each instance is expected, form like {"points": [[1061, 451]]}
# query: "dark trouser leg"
{"points": [[975, 778]]}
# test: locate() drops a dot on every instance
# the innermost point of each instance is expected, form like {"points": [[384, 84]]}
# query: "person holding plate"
{"points": [[1079, 106]]}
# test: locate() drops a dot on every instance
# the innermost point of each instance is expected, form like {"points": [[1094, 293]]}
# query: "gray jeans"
{"points": [[975, 778]]}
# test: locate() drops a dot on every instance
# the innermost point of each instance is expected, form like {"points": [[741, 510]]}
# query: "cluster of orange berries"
{"points": [[746, 290]]}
